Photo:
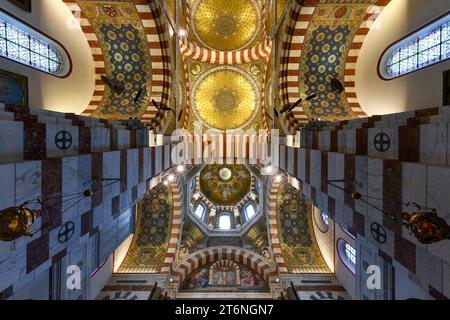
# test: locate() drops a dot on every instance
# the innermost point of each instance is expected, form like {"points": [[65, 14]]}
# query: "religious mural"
{"points": [[298, 244], [127, 59], [225, 275], [149, 247]]}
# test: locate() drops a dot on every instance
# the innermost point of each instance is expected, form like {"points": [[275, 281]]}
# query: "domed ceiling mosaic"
{"points": [[225, 98], [225, 185], [226, 25]]}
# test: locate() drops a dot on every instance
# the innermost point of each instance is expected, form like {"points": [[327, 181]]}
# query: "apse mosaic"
{"points": [[225, 185], [151, 241], [226, 276], [298, 244], [225, 25], [327, 43], [127, 59]]}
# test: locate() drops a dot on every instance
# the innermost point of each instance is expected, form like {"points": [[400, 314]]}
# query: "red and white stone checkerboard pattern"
{"points": [[414, 169]]}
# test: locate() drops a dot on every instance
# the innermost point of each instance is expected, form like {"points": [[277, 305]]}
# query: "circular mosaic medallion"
{"points": [[225, 174], [226, 25], [225, 99]]}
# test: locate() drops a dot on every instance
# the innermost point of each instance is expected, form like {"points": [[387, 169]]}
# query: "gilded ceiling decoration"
{"points": [[298, 244], [258, 239], [225, 185], [226, 25], [225, 97], [150, 244], [127, 59], [327, 43]]}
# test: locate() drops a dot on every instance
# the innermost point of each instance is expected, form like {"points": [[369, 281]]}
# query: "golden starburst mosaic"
{"points": [[225, 98], [226, 25]]}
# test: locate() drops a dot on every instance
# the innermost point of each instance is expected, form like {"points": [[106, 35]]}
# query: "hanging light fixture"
{"points": [[424, 224], [16, 222]]}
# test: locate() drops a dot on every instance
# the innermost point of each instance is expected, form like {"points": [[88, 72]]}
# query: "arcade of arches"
{"points": [[212, 149]]}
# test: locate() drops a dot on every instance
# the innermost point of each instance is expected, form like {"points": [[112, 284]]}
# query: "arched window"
{"points": [[425, 47], [25, 45], [325, 219], [347, 254], [249, 211], [200, 211], [225, 221]]}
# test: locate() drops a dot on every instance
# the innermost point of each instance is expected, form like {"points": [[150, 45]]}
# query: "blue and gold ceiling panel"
{"points": [[123, 42], [326, 47]]}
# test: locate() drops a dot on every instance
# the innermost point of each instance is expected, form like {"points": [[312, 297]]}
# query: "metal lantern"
{"points": [[15, 222], [427, 226]]}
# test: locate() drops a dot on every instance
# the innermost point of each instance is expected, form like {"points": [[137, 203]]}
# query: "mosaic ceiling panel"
{"points": [[298, 244], [225, 97], [226, 25], [327, 43], [225, 185], [150, 244], [127, 59]]}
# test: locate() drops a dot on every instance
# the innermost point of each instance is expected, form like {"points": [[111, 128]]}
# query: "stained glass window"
{"points": [[249, 211], [347, 254], [20, 46], [325, 219], [200, 211], [225, 222], [421, 51], [350, 252]]}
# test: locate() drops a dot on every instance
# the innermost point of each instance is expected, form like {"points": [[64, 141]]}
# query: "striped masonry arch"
{"points": [[175, 233], [297, 22], [212, 254], [369, 22], [273, 228]]}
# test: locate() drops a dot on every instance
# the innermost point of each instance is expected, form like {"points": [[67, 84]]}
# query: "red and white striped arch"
{"points": [[203, 55], [155, 27], [97, 55], [175, 231], [273, 228], [352, 58], [209, 255], [297, 22]]}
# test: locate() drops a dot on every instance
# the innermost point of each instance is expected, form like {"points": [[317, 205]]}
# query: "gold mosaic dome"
{"points": [[225, 185], [226, 25], [225, 98]]}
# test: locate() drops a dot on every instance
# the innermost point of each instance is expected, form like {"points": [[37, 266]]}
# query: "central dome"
{"points": [[225, 185]]}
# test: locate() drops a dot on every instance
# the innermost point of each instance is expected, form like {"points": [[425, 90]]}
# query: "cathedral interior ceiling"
{"points": [[327, 44], [299, 247], [226, 25], [123, 43], [225, 185], [151, 242]]}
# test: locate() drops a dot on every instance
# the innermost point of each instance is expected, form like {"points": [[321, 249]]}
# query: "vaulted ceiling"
{"points": [[237, 62]]}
